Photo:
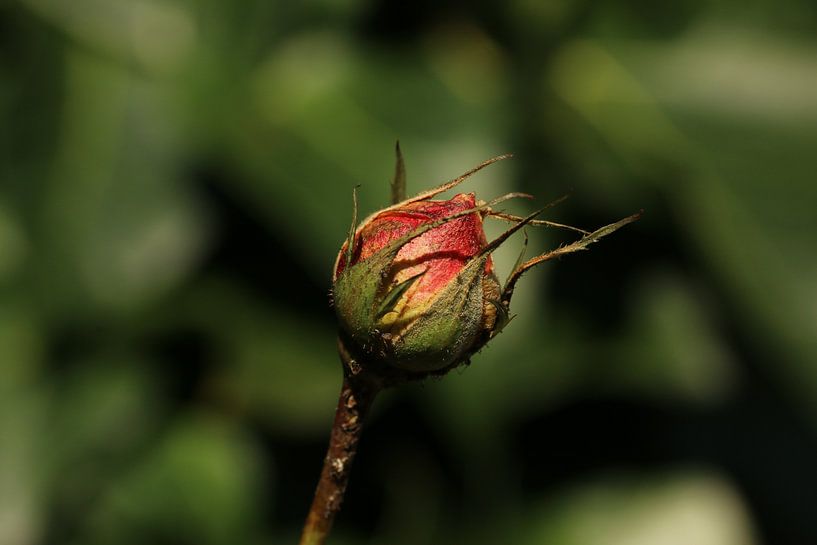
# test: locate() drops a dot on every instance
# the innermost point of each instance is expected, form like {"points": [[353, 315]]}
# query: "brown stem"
{"points": [[356, 396]]}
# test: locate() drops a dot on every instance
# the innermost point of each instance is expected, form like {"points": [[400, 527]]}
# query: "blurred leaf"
{"points": [[201, 484], [159, 33], [681, 508], [674, 347], [274, 363], [22, 425], [13, 244], [21, 347], [756, 239], [119, 225], [104, 411]]}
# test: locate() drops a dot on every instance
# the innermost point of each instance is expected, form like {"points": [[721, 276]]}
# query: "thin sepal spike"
{"points": [[577, 246], [350, 241], [556, 201], [391, 299], [551, 204], [458, 180], [494, 244], [511, 217], [521, 258], [508, 196], [546, 223], [504, 316], [445, 187], [398, 183]]}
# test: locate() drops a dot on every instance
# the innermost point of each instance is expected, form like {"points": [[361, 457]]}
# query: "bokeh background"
{"points": [[175, 179]]}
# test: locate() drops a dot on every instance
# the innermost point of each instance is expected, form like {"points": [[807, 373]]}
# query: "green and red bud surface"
{"points": [[414, 287], [427, 305]]}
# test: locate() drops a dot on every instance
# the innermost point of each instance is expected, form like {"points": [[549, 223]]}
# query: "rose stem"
{"points": [[356, 396]]}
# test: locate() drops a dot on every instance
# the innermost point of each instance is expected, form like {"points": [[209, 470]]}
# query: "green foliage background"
{"points": [[175, 179]]}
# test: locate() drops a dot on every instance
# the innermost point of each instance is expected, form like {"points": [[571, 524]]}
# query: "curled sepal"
{"points": [[577, 246]]}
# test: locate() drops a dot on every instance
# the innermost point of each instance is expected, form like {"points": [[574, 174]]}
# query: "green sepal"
{"points": [[357, 294], [350, 239], [521, 259], [391, 299], [444, 334]]}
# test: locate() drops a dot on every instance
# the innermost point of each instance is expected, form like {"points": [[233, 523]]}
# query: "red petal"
{"points": [[441, 252]]}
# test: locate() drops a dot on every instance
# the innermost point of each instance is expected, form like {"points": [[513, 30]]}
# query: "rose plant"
{"points": [[416, 295]]}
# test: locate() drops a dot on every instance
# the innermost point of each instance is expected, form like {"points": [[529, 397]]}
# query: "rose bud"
{"points": [[419, 304], [414, 286]]}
